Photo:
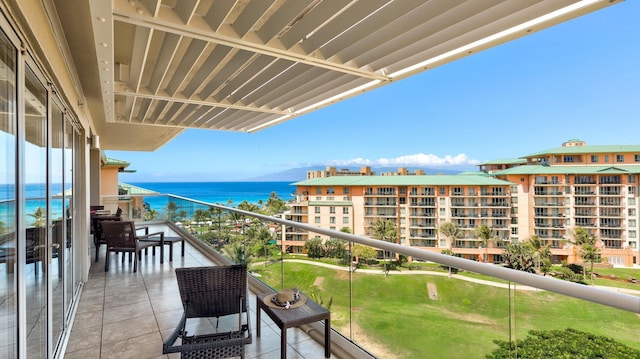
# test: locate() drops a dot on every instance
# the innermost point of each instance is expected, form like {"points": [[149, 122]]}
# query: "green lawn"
{"points": [[394, 316]]}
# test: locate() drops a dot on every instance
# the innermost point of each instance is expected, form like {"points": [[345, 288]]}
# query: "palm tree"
{"points": [[540, 250], [587, 241], [39, 217], [452, 232], [385, 230], [486, 236]]}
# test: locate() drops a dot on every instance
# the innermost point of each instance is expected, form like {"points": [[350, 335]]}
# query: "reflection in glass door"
{"points": [[58, 208], [35, 245], [70, 141], [8, 216]]}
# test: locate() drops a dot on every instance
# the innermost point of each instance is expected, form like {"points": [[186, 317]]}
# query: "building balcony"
{"points": [[124, 314]]}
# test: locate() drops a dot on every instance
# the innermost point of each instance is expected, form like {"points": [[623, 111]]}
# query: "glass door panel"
{"points": [[35, 245], [8, 216], [70, 136], [58, 217]]}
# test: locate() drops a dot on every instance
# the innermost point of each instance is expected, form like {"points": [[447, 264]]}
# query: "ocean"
{"points": [[210, 192], [223, 192]]}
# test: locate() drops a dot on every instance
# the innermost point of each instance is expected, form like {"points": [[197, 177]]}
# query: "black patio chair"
{"points": [[121, 237], [218, 292]]}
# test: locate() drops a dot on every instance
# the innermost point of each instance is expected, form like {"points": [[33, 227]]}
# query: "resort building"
{"points": [[546, 194], [81, 77]]}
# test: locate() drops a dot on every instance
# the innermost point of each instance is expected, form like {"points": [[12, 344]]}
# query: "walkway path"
{"points": [[444, 274]]}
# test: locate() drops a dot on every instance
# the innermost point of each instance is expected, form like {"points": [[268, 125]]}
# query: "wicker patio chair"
{"points": [[218, 292], [96, 229], [120, 236]]}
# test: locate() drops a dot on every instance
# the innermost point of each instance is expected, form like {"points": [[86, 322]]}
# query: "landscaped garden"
{"points": [[400, 316]]}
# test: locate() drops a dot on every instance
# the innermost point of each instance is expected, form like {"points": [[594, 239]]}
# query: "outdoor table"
{"points": [[167, 240], [288, 318]]}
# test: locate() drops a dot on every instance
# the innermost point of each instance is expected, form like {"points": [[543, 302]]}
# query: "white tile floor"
{"points": [[122, 314]]}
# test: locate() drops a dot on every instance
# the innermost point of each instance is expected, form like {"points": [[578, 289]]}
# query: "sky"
{"points": [[576, 80]]}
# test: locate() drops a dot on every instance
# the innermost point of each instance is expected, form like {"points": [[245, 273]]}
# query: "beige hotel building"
{"points": [[547, 194]]}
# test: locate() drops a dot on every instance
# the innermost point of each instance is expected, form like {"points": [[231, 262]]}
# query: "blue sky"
{"points": [[579, 79]]}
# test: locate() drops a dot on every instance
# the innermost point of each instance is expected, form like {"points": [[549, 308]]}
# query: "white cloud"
{"points": [[418, 159]]}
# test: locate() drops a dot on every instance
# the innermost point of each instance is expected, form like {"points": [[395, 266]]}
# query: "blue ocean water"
{"points": [[225, 193]]}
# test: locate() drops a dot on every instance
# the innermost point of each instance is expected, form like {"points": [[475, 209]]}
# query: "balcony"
{"points": [[122, 314]]}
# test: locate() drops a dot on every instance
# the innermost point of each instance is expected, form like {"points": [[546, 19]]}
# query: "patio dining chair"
{"points": [[218, 292], [120, 236]]}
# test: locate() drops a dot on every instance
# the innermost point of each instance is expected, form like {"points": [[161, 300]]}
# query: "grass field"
{"points": [[394, 317]]}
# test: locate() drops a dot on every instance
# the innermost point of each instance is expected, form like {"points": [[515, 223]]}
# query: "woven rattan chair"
{"points": [[120, 236], [218, 292]]}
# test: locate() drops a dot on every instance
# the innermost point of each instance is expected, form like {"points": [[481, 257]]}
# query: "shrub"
{"points": [[568, 343], [576, 268]]}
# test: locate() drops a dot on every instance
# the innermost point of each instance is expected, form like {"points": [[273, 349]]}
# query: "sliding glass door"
{"points": [[36, 245], [8, 191]]}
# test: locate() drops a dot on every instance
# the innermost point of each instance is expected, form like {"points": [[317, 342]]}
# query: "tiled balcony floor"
{"points": [[122, 314]]}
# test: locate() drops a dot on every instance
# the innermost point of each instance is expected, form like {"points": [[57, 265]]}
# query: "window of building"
{"points": [[345, 210], [345, 190], [331, 190], [636, 158], [632, 244], [514, 231], [632, 223], [569, 159], [632, 201], [403, 200], [442, 191], [606, 158], [333, 228], [317, 219], [318, 198], [620, 158], [345, 220], [632, 234], [318, 190], [632, 211], [632, 190], [332, 220], [458, 191], [317, 210], [442, 211], [631, 179], [442, 201], [594, 159], [332, 210]]}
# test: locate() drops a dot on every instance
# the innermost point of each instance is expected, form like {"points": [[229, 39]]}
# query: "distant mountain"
{"points": [[300, 173]]}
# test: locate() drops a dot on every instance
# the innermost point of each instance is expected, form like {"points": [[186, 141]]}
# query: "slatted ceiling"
{"points": [[203, 121], [238, 64], [234, 64], [215, 16], [185, 9], [402, 32], [185, 63], [340, 24], [247, 19], [196, 115], [281, 19], [163, 60], [206, 70], [144, 109], [263, 84]]}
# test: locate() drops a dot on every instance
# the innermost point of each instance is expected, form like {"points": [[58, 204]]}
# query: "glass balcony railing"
{"points": [[435, 305]]}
